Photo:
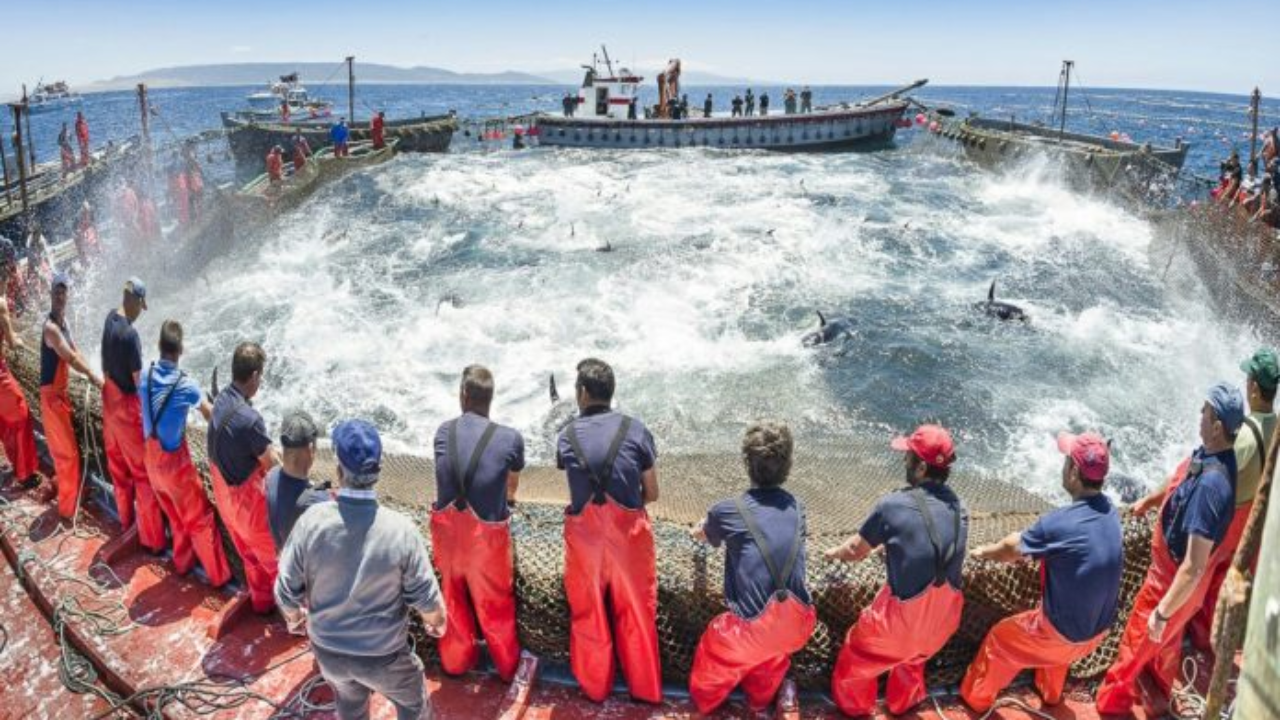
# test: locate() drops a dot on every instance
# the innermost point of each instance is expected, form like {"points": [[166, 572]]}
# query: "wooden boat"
{"points": [[261, 197], [362, 155], [1094, 162]]}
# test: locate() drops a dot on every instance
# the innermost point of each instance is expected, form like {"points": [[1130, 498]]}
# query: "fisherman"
{"points": [[377, 127], [1081, 554], [737, 106], [284, 111], [924, 528], [240, 456], [179, 198], [122, 433], [301, 151], [764, 104], [289, 491], [68, 154], [360, 639], [771, 614], [707, 106], [749, 103], [478, 464], [82, 134], [168, 395], [684, 107], [338, 135], [1232, 174], [806, 100], [1270, 146], [39, 272], [85, 235], [609, 460], [1194, 518], [126, 210], [789, 102], [569, 103], [58, 354], [195, 179], [673, 108], [148, 219], [275, 164], [17, 429]]}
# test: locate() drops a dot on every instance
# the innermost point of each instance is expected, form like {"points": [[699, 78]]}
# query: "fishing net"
{"points": [[838, 485]]}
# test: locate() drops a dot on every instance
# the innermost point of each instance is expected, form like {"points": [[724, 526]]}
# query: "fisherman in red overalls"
{"points": [[478, 464], [82, 134], [67, 153], [610, 576], [284, 111], [301, 151], [86, 233], [1081, 553], [240, 455], [179, 198], [924, 529], [58, 353], [771, 614], [376, 126], [195, 180], [1194, 519], [17, 430], [275, 164]]}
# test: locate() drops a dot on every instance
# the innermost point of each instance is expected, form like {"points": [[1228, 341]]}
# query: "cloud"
{"points": [[241, 49]]}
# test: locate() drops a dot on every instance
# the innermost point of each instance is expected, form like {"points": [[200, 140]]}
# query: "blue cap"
{"points": [[358, 446], [135, 287], [1228, 405], [61, 278]]}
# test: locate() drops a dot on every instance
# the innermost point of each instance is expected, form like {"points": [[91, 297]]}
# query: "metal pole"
{"points": [[22, 164], [1254, 102], [1066, 88], [351, 89]]}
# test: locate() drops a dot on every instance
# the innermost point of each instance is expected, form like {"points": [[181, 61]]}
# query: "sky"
{"points": [[1172, 44]]}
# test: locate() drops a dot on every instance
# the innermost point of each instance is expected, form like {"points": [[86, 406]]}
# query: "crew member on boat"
{"points": [[288, 487], [924, 529], [749, 103], [240, 456], [17, 429], [377, 129], [737, 106], [771, 614], [167, 395], [1195, 515], [478, 464], [58, 355], [179, 198], [806, 100], [275, 164], [707, 106], [82, 134], [301, 151], [764, 104], [1081, 554], [338, 135], [68, 154], [85, 234], [195, 180], [122, 432], [609, 460], [39, 272]]}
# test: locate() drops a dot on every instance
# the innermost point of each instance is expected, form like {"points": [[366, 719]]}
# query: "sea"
{"points": [[373, 295]]}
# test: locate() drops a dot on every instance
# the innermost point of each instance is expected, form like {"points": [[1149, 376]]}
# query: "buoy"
{"points": [[920, 118], [933, 126], [1115, 135]]}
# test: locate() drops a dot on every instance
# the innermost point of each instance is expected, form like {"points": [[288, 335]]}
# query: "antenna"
{"points": [[607, 62]]}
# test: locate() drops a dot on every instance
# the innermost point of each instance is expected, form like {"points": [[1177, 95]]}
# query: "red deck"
{"points": [[256, 667]]}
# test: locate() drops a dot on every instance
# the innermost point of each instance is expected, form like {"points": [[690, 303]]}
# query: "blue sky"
{"points": [[1172, 44]]}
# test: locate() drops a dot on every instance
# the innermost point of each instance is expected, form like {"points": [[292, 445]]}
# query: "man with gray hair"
{"points": [[289, 491], [349, 573]]}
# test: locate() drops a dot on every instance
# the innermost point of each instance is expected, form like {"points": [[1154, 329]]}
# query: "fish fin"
{"points": [[991, 292], [555, 396], [822, 320]]}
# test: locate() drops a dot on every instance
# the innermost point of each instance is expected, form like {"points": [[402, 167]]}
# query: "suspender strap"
{"points": [[599, 478], [941, 559], [779, 578], [463, 480], [1258, 441], [154, 415]]}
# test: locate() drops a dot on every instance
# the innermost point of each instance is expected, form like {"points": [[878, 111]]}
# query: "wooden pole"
{"points": [[1254, 102], [22, 164], [1233, 600], [1066, 88], [31, 142], [351, 90], [4, 162], [145, 111]]}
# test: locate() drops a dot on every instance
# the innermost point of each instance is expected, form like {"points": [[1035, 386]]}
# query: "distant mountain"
{"points": [[687, 77], [261, 73]]}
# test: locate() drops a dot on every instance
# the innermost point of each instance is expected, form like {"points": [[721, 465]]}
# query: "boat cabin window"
{"points": [[602, 101]]}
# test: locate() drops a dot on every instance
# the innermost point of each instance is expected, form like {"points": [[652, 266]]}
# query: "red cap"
{"points": [[1090, 453], [930, 443]]}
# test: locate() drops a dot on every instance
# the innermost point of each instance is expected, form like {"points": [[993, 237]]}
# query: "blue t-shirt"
{"points": [[897, 524], [237, 436], [338, 134], [287, 498], [596, 428], [1080, 547], [121, 352], [488, 492], [157, 382], [748, 586], [1203, 504]]}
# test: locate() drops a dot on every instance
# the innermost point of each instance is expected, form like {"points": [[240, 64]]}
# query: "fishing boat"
{"points": [[607, 116], [360, 155], [50, 97], [261, 197], [287, 100], [1110, 163]]}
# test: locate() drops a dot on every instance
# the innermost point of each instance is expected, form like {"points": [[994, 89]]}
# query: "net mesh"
{"points": [[838, 484]]}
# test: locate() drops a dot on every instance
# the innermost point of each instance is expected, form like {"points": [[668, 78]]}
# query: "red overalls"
{"points": [[898, 636], [181, 495], [82, 134], [275, 166], [243, 509], [127, 462], [59, 429], [754, 653], [376, 132], [17, 430], [1137, 652], [477, 579], [609, 552]]}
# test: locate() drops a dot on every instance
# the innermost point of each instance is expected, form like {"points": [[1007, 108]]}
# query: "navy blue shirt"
{"points": [[596, 428], [121, 352], [237, 436], [748, 586], [164, 386], [897, 524], [287, 498], [1203, 504], [488, 492], [50, 361], [1080, 547]]}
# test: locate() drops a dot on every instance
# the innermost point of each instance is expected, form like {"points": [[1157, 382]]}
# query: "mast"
{"points": [[144, 109], [1254, 101], [4, 163], [17, 109], [31, 142], [351, 88], [607, 62], [1066, 88]]}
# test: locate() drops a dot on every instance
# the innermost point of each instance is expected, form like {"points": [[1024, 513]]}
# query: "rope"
{"points": [[1002, 702]]}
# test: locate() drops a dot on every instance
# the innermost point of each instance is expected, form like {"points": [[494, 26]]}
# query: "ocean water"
{"points": [[371, 297]]}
